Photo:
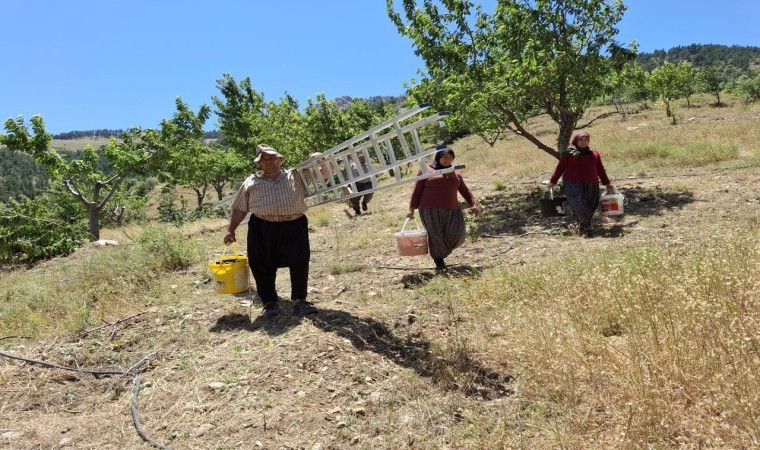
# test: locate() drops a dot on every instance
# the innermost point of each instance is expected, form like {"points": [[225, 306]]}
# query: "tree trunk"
{"points": [[219, 188], [200, 194], [93, 213], [567, 122]]}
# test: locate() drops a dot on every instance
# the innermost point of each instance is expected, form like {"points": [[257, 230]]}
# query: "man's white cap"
{"points": [[264, 148]]}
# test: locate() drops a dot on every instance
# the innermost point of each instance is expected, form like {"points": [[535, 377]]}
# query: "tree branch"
{"points": [[114, 188], [601, 116], [114, 323], [69, 184], [523, 132]]}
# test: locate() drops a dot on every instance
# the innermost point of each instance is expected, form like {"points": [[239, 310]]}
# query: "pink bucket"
{"points": [[411, 242]]}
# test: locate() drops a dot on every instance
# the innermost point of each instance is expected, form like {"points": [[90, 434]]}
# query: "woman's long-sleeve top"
{"points": [[440, 191], [581, 169]]}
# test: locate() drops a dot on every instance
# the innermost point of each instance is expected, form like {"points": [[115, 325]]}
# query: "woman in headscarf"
{"points": [[436, 198], [583, 169]]}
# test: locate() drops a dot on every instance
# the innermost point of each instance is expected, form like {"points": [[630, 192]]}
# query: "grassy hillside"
{"points": [[643, 337]]}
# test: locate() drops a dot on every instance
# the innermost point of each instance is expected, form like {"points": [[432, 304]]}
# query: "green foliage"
{"points": [[688, 77], [172, 250], [286, 127], [129, 203], [173, 208], [627, 87], [168, 210], [710, 81], [665, 82], [20, 175], [748, 88], [33, 230], [240, 111], [527, 58], [247, 119], [84, 178], [325, 123]]}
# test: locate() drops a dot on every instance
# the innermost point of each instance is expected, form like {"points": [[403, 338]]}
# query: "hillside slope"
{"points": [[399, 356]]}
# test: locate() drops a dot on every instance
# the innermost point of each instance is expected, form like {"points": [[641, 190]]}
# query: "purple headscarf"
{"points": [[574, 142]]}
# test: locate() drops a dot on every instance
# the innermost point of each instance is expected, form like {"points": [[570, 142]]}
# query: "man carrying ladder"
{"points": [[277, 199]]}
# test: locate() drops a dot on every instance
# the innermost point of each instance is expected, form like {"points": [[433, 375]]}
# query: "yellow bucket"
{"points": [[230, 272]]}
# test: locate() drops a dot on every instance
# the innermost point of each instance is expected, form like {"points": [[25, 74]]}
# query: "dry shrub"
{"points": [[652, 347]]}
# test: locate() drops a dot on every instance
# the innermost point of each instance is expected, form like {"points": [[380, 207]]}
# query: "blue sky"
{"points": [[86, 64]]}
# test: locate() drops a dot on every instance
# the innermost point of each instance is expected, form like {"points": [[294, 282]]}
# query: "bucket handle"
{"points": [[407, 221], [232, 245], [625, 199], [551, 193]]}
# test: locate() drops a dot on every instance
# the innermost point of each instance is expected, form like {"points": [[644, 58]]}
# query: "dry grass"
{"points": [[645, 337]]}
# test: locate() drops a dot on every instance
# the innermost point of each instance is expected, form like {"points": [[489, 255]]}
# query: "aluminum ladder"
{"points": [[329, 178]]}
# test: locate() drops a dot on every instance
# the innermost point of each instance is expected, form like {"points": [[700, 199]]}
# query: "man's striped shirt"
{"points": [[282, 196]]}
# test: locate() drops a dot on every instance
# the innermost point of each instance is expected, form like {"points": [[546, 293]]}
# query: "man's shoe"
{"points": [[358, 213], [364, 206], [271, 310], [303, 308]]}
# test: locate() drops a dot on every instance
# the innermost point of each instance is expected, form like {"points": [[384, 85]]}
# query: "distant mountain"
{"points": [[83, 134], [738, 59], [69, 135], [343, 101]]}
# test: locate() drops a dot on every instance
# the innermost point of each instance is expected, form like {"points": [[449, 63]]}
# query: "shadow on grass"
{"points": [[515, 213], [458, 372], [419, 279]]}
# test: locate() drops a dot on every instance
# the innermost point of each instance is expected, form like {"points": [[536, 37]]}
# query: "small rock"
{"points": [[203, 429], [217, 385], [12, 434], [104, 243], [65, 442]]}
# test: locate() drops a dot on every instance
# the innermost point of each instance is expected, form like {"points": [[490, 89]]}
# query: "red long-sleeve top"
{"points": [[440, 191], [580, 169]]}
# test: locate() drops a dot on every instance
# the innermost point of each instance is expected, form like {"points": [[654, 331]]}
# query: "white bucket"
{"points": [[613, 204], [411, 242]]}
